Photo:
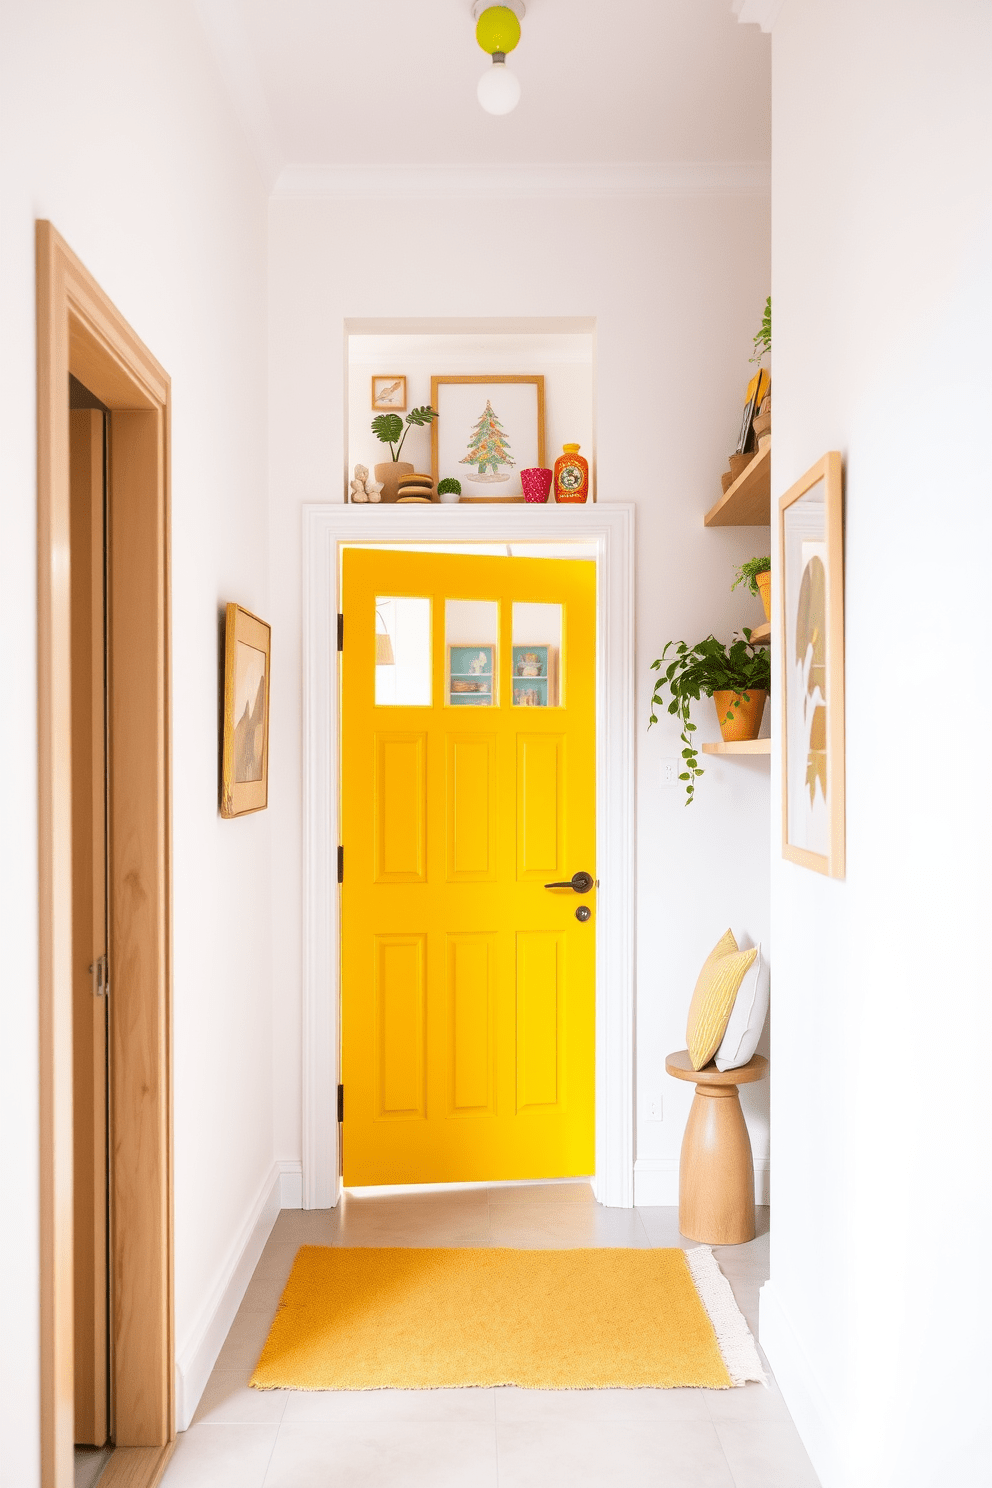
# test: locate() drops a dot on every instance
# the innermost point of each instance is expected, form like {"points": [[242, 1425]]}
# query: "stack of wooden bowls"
{"points": [[415, 490]]}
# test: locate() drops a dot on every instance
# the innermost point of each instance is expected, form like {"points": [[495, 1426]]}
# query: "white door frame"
{"points": [[611, 528]]}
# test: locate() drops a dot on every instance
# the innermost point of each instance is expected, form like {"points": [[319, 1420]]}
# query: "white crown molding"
{"points": [[763, 13], [543, 182], [223, 27]]}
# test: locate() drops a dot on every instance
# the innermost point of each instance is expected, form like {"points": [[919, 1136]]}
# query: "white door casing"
{"points": [[610, 527]]}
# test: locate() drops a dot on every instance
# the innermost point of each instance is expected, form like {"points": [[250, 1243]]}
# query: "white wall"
{"points": [[877, 1316], [115, 127], [676, 287]]}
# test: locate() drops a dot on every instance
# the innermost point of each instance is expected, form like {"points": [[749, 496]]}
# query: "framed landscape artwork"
{"points": [[487, 430], [389, 394], [811, 544], [245, 761]]}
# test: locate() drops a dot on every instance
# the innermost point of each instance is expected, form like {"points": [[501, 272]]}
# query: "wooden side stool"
{"points": [[716, 1173]]}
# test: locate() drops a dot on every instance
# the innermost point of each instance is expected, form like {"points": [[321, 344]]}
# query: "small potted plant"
{"points": [[388, 429], [736, 677], [449, 489], [756, 573]]}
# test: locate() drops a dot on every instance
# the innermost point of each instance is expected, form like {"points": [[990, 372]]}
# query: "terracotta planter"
{"points": [[747, 713], [391, 473], [764, 583], [763, 429]]}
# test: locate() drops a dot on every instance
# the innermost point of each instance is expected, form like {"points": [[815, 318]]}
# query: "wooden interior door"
{"points": [[89, 924], [468, 804]]}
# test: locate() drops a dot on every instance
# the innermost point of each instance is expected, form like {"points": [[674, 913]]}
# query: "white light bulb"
{"points": [[499, 89]]}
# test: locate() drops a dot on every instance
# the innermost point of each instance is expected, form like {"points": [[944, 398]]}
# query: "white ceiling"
{"points": [[392, 82]]}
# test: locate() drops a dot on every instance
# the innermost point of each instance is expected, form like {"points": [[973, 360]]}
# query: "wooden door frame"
{"points": [[611, 528], [80, 331]]}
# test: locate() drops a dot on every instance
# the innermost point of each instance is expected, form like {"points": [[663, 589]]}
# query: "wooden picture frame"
{"points": [[247, 679], [522, 424], [389, 394], [811, 609]]}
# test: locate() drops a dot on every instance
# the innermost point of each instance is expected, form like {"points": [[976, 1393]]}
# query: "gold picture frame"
{"points": [[811, 609], [247, 683], [522, 425], [389, 394]]}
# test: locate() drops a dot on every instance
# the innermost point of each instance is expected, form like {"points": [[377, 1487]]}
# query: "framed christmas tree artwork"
{"points": [[487, 430]]}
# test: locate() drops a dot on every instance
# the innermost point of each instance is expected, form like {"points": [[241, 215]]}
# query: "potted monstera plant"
{"points": [[388, 429], [736, 677]]}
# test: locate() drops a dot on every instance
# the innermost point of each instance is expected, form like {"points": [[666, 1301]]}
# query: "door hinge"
{"points": [[340, 1103], [101, 977], [340, 632], [340, 865]]}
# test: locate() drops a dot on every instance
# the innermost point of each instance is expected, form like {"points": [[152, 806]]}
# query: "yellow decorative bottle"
{"points": [[571, 476]]}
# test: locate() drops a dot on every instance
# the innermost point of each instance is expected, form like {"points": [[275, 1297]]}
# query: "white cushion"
{"points": [[747, 1018]]}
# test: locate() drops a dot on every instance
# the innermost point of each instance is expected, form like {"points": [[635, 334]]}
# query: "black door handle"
{"points": [[580, 882]]}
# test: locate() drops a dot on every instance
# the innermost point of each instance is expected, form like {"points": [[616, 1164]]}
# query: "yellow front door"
{"points": [[468, 786]]}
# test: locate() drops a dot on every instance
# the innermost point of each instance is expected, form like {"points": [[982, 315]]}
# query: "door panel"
{"points": [[471, 1017], [400, 808], [468, 986], [400, 1025]]}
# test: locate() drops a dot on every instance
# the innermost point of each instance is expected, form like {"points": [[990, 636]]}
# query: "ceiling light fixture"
{"points": [[497, 31]]}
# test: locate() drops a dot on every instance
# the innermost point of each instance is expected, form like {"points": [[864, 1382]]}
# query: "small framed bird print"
{"points": [[389, 394]]}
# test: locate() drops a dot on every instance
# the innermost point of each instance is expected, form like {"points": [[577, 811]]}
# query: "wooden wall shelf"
{"points": [[761, 635], [740, 746], [748, 502]]}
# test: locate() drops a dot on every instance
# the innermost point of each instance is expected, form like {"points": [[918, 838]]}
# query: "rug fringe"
{"points": [[737, 1345]]}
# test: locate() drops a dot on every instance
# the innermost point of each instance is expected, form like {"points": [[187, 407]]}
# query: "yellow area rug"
{"points": [[376, 1318]]}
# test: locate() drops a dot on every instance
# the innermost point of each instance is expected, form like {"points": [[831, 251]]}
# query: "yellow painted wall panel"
{"points": [[400, 1025], [471, 992], [471, 807], [540, 956], [400, 808], [540, 792]]}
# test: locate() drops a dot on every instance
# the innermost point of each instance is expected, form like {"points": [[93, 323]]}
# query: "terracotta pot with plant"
{"points": [[388, 429], [736, 677], [756, 573]]}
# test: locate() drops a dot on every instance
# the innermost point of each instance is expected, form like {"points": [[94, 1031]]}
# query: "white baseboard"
{"points": [[290, 1185], [198, 1354], [656, 1181], [801, 1389]]}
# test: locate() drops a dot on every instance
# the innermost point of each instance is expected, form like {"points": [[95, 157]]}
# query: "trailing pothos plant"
{"points": [[388, 427], [702, 670], [749, 571]]}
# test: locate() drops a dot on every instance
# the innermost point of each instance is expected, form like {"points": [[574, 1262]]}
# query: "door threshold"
{"points": [[389, 1190]]}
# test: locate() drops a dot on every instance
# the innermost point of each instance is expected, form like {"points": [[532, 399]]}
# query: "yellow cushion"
{"points": [[713, 1000]]}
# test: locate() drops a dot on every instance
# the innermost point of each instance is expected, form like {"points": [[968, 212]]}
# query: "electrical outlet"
{"points": [[669, 772], [654, 1109]]}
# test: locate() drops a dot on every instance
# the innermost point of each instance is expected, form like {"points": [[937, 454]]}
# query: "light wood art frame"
{"points": [[436, 382], [80, 331], [823, 529], [238, 798], [399, 406]]}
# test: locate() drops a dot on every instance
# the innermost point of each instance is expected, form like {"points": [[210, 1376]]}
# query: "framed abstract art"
{"points": [[245, 760], [811, 599]]}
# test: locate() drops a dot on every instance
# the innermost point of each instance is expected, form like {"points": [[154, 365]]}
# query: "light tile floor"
{"points": [[507, 1438]]}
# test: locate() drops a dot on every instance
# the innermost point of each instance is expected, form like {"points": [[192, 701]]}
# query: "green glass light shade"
{"points": [[497, 30]]}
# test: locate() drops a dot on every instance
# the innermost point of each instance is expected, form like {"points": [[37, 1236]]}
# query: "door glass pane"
{"points": [[472, 629], [402, 652], [536, 661]]}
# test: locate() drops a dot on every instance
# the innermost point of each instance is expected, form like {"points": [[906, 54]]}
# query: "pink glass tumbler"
{"points": [[536, 483]]}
